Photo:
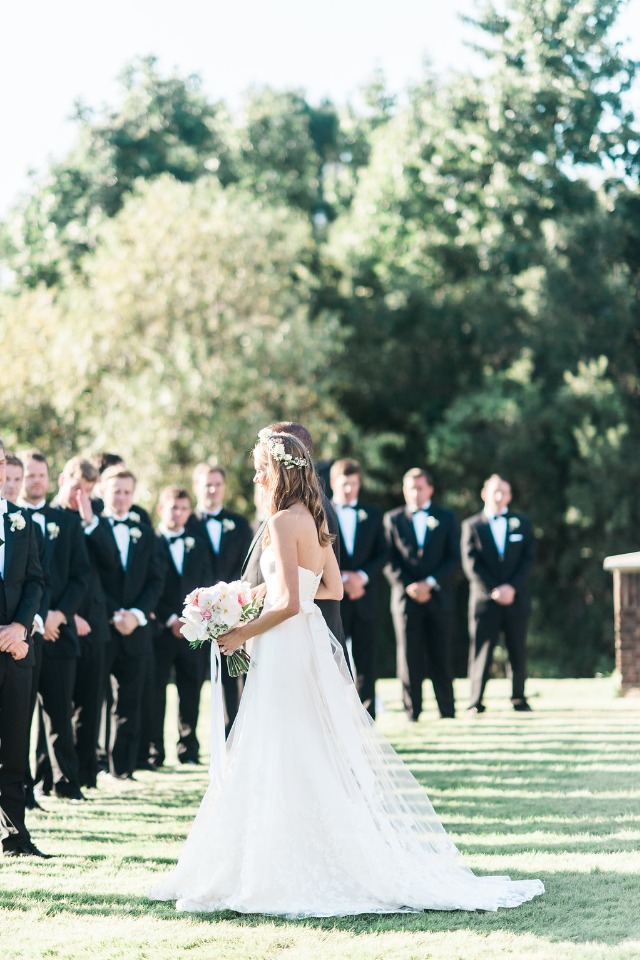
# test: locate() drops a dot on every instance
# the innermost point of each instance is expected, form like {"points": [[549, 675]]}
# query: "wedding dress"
{"points": [[316, 814]]}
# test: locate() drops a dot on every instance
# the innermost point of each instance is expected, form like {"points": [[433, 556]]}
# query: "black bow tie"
{"points": [[33, 510], [348, 506], [177, 536], [212, 516], [116, 522], [421, 510], [499, 516]]}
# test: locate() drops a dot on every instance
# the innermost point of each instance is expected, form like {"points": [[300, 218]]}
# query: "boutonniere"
{"points": [[189, 543], [432, 522], [18, 522], [228, 524], [514, 523], [53, 530], [135, 533], [362, 515], [134, 516]]}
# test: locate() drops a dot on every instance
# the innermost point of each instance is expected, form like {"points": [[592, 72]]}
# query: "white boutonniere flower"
{"points": [[53, 530], [135, 533], [514, 523], [189, 543], [134, 516], [362, 515], [228, 524], [18, 522], [432, 522]]}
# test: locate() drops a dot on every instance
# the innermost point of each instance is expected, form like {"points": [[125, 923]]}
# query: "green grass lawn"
{"points": [[554, 794]]}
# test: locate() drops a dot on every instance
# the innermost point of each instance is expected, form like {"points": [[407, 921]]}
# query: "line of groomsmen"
{"points": [[105, 636]]}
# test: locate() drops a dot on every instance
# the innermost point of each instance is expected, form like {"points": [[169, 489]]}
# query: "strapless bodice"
{"points": [[307, 579]]}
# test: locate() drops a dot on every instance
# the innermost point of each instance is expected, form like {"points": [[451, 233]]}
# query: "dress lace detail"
{"points": [[317, 815]]}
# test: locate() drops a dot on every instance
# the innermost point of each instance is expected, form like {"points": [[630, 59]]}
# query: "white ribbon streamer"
{"points": [[217, 749]]}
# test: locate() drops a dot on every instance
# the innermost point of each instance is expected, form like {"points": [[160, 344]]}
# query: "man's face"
{"points": [[70, 489], [12, 481], [3, 473], [417, 491], [496, 495], [209, 490], [174, 512], [346, 488], [118, 494], [35, 483]]}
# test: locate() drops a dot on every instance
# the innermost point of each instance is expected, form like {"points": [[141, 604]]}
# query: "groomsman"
{"points": [[424, 552], [188, 565], [77, 481], [13, 478], [132, 591], [251, 570], [21, 585], [228, 536], [103, 461], [498, 550], [68, 565], [363, 553]]}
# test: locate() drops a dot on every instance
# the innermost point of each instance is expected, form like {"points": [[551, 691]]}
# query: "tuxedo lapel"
{"points": [[486, 535], [8, 546], [411, 532]]}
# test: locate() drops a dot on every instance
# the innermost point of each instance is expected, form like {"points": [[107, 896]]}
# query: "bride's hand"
{"points": [[228, 642]]}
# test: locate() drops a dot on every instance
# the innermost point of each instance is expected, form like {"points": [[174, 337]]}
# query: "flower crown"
{"points": [[277, 451]]}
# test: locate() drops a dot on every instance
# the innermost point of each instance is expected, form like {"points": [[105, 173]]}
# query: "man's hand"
{"points": [[175, 628], [353, 584], [84, 507], [420, 591], [504, 595], [125, 622], [11, 636], [52, 624], [259, 593], [83, 628]]}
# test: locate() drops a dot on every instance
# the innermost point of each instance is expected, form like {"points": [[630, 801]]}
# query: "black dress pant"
{"points": [[38, 646], [87, 703], [147, 712], [56, 758], [15, 721], [424, 648], [127, 667], [487, 621], [363, 647], [175, 652]]}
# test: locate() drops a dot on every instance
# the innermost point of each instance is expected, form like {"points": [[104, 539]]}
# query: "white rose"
{"points": [[135, 533], [134, 516], [17, 521], [189, 543], [193, 631], [228, 524]]}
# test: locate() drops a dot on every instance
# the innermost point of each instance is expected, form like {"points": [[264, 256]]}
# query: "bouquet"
{"points": [[211, 611]]}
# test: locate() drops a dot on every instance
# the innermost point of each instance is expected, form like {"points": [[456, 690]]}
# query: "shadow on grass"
{"points": [[545, 917]]}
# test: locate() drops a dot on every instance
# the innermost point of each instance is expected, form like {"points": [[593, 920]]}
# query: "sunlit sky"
{"points": [[54, 53]]}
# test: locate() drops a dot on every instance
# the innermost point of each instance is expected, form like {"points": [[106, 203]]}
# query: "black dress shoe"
{"points": [[69, 791], [522, 706], [26, 849], [32, 804], [476, 709]]}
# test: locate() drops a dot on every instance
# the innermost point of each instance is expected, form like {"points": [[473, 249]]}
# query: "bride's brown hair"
{"points": [[287, 485]]}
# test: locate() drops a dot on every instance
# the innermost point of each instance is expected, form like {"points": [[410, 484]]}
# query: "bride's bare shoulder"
{"points": [[290, 518]]}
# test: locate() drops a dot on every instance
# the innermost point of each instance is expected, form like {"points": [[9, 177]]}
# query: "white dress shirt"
{"points": [[420, 524], [214, 529], [176, 548], [347, 514], [498, 526], [3, 511], [123, 537]]}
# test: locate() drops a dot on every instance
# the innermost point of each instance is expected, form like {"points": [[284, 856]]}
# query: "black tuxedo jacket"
{"points": [[439, 557], [69, 572], [369, 555], [23, 581], [139, 586], [103, 556], [252, 571], [234, 543], [481, 561], [197, 571]]}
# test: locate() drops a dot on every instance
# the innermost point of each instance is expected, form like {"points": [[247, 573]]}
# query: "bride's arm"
{"points": [[331, 586], [283, 533]]}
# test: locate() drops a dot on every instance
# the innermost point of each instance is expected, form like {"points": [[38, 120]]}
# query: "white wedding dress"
{"points": [[317, 815]]}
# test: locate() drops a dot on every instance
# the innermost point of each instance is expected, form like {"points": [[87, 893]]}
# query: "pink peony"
{"points": [[244, 597], [205, 614]]}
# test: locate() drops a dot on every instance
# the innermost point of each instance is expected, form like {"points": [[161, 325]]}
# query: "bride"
{"points": [[316, 814]]}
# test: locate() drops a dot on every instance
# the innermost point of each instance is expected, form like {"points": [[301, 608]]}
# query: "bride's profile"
{"points": [[315, 815]]}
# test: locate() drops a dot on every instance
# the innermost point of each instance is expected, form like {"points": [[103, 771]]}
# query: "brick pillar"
{"points": [[626, 600]]}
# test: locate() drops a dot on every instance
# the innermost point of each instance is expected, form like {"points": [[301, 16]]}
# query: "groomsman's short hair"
{"points": [[416, 472], [102, 461], [11, 459], [296, 430], [344, 468], [118, 473], [77, 468], [204, 469], [174, 492], [33, 454], [496, 476]]}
